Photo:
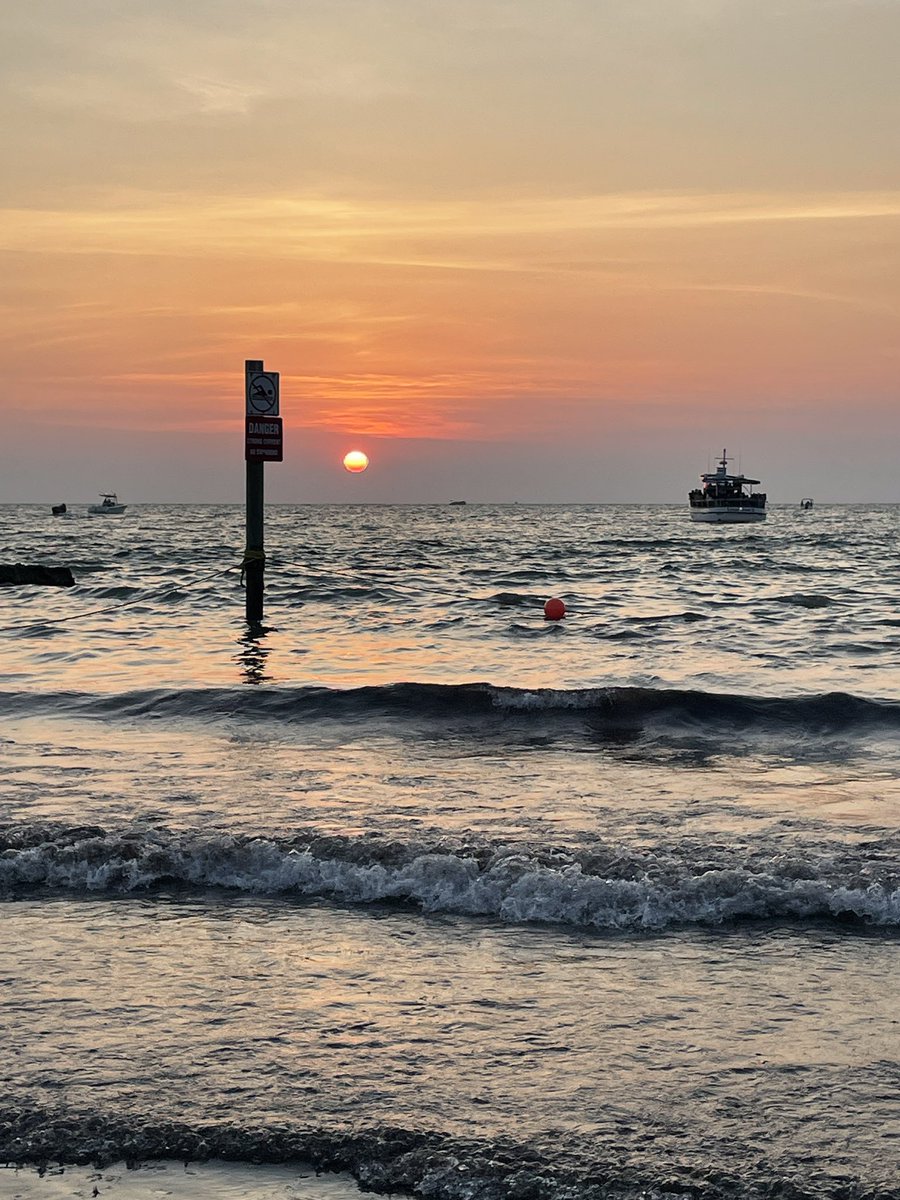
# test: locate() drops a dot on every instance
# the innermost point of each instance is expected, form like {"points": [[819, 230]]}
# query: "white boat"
{"points": [[723, 498], [109, 505]]}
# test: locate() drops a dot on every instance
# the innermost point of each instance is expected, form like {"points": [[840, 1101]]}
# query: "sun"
{"points": [[356, 461]]}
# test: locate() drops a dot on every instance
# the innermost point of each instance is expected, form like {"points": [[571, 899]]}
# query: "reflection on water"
{"points": [[255, 899], [450, 596], [253, 654], [321, 1014]]}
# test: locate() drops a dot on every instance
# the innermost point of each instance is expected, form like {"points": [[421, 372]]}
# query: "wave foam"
{"points": [[610, 888]]}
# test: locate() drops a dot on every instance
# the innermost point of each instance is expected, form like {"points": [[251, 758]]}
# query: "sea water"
{"points": [[413, 884]]}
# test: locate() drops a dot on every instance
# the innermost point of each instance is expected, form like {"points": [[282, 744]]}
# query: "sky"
{"points": [[533, 250]]}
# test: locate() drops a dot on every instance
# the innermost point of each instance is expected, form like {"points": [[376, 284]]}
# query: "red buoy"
{"points": [[554, 610]]}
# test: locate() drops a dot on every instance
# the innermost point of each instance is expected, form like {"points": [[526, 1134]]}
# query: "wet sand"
{"points": [[160, 1180]]}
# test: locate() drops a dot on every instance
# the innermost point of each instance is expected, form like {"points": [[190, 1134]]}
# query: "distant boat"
{"points": [[806, 502], [457, 501], [109, 505], [722, 499], [59, 510]]}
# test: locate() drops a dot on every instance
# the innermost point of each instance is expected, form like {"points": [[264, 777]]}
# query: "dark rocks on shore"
{"points": [[20, 573], [389, 1159]]}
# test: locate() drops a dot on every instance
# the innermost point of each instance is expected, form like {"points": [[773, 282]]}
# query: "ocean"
{"points": [[415, 886]]}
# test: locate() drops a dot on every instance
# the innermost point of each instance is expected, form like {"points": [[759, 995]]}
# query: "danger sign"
{"points": [[263, 441]]}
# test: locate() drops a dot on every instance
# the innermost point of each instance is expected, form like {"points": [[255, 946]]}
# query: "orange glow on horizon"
{"points": [[609, 317]]}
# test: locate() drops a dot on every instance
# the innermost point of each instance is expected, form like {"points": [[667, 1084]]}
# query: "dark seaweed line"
{"points": [[390, 1159]]}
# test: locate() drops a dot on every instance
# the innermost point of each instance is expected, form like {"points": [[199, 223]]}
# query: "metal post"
{"points": [[254, 555]]}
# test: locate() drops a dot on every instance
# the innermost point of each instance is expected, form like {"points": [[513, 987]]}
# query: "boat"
{"points": [[58, 510], [109, 505], [724, 498], [806, 502]]}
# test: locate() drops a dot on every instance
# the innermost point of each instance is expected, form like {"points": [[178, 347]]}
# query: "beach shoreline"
{"points": [[216, 1180]]}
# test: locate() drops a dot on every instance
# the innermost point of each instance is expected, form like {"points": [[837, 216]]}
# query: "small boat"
{"points": [[109, 505], [453, 503], [806, 502], [723, 498], [59, 510]]}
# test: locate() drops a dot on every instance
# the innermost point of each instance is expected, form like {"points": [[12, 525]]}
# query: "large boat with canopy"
{"points": [[726, 498]]}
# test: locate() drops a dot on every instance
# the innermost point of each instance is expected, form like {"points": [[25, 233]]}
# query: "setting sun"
{"points": [[356, 461]]}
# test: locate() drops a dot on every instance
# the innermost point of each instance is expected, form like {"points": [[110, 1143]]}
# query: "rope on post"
{"points": [[251, 556]]}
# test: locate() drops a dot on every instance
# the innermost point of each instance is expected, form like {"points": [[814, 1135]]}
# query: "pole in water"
{"points": [[262, 443], [254, 551]]}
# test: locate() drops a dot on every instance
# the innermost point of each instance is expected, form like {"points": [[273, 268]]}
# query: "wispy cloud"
{"points": [[341, 229]]}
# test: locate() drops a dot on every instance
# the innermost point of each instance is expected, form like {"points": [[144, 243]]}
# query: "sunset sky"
{"points": [[541, 250]]}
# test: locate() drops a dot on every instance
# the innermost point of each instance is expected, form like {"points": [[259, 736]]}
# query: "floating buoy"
{"points": [[554, 610]]}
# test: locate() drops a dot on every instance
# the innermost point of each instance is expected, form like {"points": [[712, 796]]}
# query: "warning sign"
{"points": [[262, 393], [264, 441]]}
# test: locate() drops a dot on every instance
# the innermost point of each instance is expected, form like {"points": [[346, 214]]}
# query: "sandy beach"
{"points": [[158, 1180]]}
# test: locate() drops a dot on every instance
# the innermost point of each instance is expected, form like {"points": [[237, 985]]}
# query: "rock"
{"points": [[20, 573]]}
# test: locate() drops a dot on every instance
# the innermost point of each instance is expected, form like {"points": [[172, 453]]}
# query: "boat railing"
{"points": [[700, 498]]}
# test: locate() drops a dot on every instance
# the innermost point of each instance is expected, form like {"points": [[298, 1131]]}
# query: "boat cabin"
{"points": [[724, 491]]}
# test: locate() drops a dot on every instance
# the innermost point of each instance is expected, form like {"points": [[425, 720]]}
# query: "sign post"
{"points": [[262, 442]]}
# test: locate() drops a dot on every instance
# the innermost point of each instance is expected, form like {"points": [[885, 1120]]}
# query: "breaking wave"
{"points": [[605, 886], [434, 701]]}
